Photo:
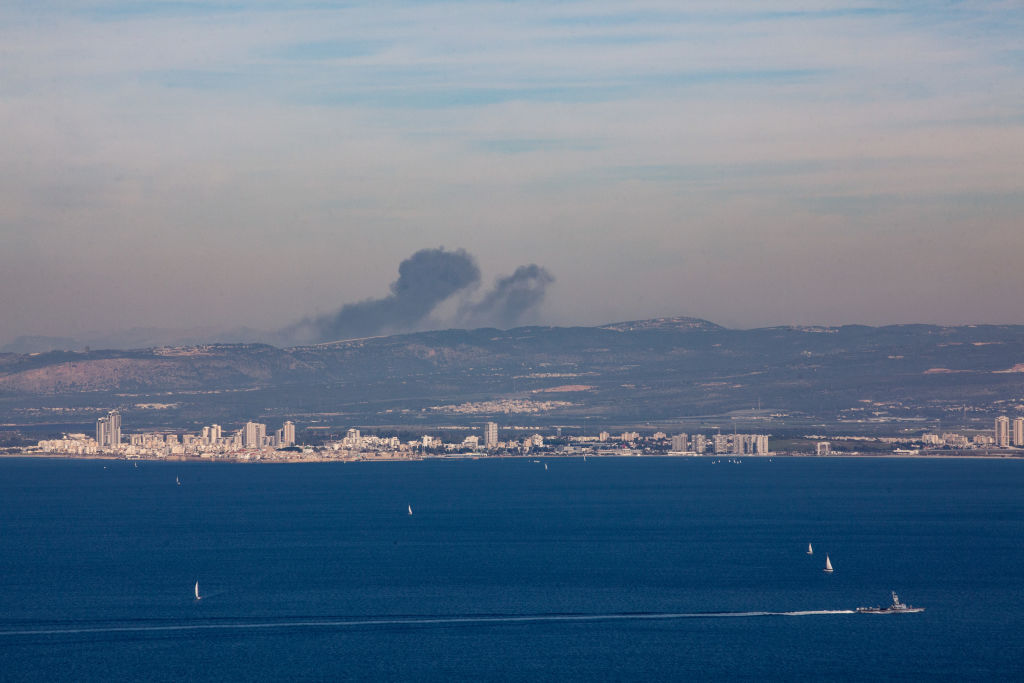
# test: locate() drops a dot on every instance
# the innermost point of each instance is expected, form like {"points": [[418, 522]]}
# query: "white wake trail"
{"points": [[413, 621]]}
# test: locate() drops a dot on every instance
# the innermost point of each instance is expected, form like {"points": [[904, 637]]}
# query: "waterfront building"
{"points": [[102, 431], [1018, 432], [1002, 434], [114, 424], [680, 443], [254, 435], [491, 435], [823, 448], [288, 434]]}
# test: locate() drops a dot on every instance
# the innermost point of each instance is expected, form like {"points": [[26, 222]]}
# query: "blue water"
{"points": [[629, 568]]}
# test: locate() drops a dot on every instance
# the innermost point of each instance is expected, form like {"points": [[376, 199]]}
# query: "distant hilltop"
{"points": [[675, 323]]}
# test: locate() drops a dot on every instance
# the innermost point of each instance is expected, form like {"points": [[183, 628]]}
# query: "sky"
{"points": [[256, 163]]}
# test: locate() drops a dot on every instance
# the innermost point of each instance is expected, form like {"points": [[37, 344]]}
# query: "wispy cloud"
{"points": [[303, 148]]}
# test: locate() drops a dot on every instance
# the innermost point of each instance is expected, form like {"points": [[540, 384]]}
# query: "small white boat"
{"points": [[545, 466], [177, 481], [198, 597], [828, 565], [410, 509], [810, 550]]}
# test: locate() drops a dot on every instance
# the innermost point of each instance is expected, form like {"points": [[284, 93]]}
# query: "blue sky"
{"points": [[249, 163]]}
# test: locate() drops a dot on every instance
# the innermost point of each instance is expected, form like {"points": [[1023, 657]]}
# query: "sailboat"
{"points": [[810, 550], [828, 565], [198, 597], [545, 466], [177, 480], [410, 509]]}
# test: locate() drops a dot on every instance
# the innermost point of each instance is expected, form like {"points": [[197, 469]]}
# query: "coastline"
{"points": [[373, 458]]}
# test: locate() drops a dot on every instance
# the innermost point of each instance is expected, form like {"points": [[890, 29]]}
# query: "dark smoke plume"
{"points": [[512, 296], [425, 279]]}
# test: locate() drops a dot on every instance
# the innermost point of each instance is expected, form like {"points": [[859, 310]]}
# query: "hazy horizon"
{"points": [[253, 165]]}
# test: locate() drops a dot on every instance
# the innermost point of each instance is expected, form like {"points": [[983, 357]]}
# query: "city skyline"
{"points": [[231, 165]]}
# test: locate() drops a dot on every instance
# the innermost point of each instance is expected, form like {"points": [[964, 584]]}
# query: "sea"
{"points": [[599, 569]]}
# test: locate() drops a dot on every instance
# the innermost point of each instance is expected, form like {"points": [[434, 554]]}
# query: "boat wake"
{"points": [[408, 621]]}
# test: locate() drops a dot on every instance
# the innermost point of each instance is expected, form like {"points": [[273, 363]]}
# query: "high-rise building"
{"points": [[700, 443], [114, 421], [254, 434], [289, 434], [1018, 431], [102, 431], [215, 433], [491, 435], [680, 443], [108, 430], [1002, 431]]}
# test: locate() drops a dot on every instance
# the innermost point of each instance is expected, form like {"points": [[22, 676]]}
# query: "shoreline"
{"points": [[531, 456]]}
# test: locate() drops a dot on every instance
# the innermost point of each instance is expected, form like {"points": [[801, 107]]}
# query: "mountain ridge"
{"points": [[659, 368]]}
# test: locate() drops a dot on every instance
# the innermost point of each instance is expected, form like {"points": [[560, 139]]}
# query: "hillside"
{"points": [[660, 369]]}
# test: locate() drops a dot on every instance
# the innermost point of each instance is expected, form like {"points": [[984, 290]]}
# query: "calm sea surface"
{"points": [[625, 569]]}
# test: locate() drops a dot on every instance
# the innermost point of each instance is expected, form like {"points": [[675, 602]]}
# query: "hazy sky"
{"points": [[252, 163]]}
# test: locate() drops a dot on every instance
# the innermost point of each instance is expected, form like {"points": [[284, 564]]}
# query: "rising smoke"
{"points": [[512, 296], [425, 280]]}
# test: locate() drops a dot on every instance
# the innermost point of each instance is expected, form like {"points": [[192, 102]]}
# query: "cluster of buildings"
{"points": [[355, 443], [507, 406], [252, 441], [211, 441], [1007, 434], [698, 444]]}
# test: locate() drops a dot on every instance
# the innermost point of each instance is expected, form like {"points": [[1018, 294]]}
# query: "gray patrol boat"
{"points": [[896, 607]]}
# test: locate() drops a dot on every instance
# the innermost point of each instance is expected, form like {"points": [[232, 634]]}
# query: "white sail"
{"points": [[545, 465], [410, 509], [810, 550], [197, 591], [828, 564]]}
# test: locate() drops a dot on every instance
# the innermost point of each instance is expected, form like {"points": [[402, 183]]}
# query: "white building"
{"points": [[491, 435], [254, 434], [680, 443], [1002, 431]]}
